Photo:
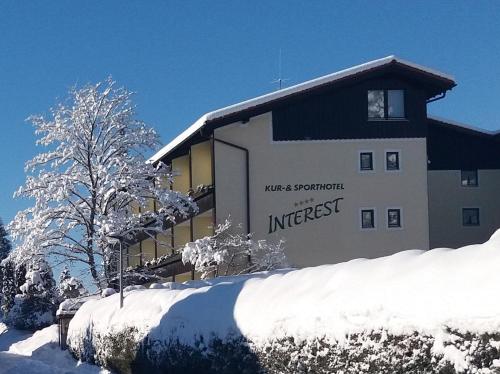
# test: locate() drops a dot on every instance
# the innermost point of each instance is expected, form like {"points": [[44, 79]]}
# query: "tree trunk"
{"points": [[93, 270]]}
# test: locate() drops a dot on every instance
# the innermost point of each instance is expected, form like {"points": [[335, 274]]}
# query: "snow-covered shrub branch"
{"points": [[230, 252], [92, 181], [69, 286]]}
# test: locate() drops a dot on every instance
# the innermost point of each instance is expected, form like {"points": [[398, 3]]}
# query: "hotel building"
{"points": [[344, 166]]}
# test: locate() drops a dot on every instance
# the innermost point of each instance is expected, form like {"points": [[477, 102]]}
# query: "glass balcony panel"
{"points": [[180, 167]]}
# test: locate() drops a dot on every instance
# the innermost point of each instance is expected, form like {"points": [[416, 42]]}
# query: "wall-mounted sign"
{"points": [[300, 216], [303, 187]]}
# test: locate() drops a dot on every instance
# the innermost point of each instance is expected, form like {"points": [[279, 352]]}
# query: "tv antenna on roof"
{"points": [[279, 80]]}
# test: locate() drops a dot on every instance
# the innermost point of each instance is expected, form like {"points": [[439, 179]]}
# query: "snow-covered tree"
{"points": [[230, 252], [90, 181], [70, 287], [5, 245], [35, 304]]}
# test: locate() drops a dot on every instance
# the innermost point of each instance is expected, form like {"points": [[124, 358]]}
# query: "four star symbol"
{"points": [[306, 201]]}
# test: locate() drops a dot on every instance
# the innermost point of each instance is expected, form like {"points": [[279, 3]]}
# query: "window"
{"points": [[386, 104], [396, 104], [376, 104], [367, 218], [392, 161], [394, 218], [365, 161], [470, 216], [469, 178]]}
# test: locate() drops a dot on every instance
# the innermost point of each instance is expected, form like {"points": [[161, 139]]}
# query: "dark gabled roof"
{"points": [[437, 83], [462, 127], [456, 146]]}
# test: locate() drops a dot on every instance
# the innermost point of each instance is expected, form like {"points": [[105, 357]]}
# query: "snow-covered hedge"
{"points": [[412, 312]]}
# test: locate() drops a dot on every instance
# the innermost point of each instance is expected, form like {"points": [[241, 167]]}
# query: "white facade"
{"points": [[301, 176]]}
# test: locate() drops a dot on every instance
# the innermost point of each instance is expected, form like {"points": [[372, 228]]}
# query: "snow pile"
{"points": [[432, 293], [70, 306], [108, 292], [409, 291], [38, 353]]}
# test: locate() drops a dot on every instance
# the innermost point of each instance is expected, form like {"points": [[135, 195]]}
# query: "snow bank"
{"points": [[38, 353], [423, 291]]}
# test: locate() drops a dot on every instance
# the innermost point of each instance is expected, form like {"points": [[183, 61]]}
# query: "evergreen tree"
{"points": [[5, 245], [13, 277], [5, 248], [8, 288], [70, 287], [35, 305]]}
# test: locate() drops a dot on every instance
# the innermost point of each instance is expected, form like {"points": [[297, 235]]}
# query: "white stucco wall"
{"points": [[335, 237]]}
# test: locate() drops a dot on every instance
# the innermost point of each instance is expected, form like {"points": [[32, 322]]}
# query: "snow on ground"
{"points": [[424, 291], [24, 352]]}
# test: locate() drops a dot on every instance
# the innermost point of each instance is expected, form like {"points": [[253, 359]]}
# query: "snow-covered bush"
{"points": [[230, 252], [70, 287], [412, 312], [368, 352], [35, 305], [135, 275]]}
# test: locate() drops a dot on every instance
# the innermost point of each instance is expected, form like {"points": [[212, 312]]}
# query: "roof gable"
{"points": [[440, 82]]}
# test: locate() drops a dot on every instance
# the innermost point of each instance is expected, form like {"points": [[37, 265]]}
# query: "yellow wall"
{"points": [[164, 243], [202, 225], [183, 277], [182, 234], [148, 249], [133, 255], [150, 205], [201, 164], [135, 207], [164, 183], [180, 166]]}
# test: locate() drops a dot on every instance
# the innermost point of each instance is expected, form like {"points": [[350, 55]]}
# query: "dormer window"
{"points": [[386, 104]]}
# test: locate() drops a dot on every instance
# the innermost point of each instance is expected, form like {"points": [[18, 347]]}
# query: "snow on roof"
{"points": [[463, 125], [288, 91], [70, 306]]}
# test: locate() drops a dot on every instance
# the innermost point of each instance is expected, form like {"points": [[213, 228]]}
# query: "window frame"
{"points": [[386, 105], [398, 152], [386, 111], [400, 218], [360, 169], [476, 209], [374, 218], [469, 185]]}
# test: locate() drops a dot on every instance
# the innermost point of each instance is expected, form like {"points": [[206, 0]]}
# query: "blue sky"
{"points": [[185, 58]]}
